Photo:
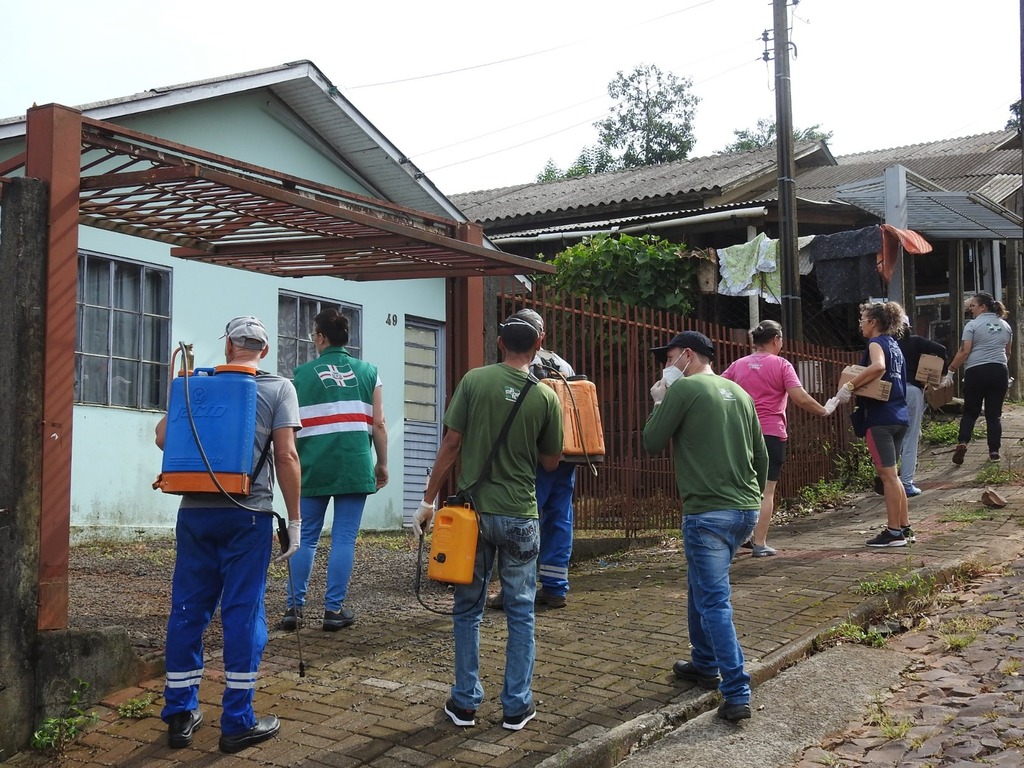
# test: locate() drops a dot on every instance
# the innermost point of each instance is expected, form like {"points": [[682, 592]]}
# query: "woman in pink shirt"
{"points": [[771, 381]]}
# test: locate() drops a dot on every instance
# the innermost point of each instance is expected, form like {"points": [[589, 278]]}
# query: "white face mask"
{"points": [[671, 375]]}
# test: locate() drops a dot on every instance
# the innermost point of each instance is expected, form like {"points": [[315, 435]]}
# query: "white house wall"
{"points": [[114, 459]]}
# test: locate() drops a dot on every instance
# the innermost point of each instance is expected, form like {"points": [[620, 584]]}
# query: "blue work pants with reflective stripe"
{"points": [[222, 555], [554, 503]]}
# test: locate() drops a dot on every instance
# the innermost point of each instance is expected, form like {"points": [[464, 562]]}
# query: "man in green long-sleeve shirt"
{"points": [[721, 467]]}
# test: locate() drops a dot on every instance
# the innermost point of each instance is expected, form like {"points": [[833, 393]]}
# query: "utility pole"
{"points": [[789, 259]]}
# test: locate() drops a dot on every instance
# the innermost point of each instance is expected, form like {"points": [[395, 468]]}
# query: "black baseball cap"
{"points": [[694, 340]]}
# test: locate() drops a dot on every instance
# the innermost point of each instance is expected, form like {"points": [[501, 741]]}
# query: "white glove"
{"points": [[843, 395], [947, 380], [294, 537], [830, 406], [423, 519], [658, 391]]}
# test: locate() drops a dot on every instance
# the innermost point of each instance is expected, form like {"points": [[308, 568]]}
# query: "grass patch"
{"points": [[848, 632], [995, 473], [136, 708], [958, 633], [913, 584], [891, 728], [1011, 667], [946, 432], [964, 515]]}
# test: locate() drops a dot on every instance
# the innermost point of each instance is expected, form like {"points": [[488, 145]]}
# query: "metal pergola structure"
{"points": [[220, 211]]}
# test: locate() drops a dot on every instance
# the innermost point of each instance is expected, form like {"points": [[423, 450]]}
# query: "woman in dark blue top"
{"points": [[887, 420]]}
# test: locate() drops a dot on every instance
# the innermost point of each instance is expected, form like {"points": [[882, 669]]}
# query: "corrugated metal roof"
{"points": [[938, 213], [966, 173], [982, 142], [693, 180]]}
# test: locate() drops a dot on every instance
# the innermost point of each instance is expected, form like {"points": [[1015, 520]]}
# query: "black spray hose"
{"points": [[282, 524]]}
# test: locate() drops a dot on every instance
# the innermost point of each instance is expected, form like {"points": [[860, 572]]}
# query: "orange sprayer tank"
{"points": [[453, 547], [581, 418]]}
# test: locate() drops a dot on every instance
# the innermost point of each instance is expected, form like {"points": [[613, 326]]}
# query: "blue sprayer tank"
{"points": [[223, 406]]}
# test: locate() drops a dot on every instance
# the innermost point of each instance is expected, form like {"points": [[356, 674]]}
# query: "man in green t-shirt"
{"points": [[721, 467], [505, 498]]}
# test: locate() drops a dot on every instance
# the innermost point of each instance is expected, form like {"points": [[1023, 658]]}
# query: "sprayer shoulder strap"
{"points": [[266, 446], [530, 381]]}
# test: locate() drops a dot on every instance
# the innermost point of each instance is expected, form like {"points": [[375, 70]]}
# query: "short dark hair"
{"points": [[519, 334], [334, 325]]}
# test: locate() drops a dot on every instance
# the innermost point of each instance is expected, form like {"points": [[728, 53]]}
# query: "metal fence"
{"points": [[610, 343]]}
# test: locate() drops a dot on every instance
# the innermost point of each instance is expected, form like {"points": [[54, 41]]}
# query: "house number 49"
{"points": [[392, 319]]}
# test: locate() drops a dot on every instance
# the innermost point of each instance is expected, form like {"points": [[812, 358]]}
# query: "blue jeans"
{"points": [[908, 454], [554, 501], [514, 541], [711, 539], [348, 512]]}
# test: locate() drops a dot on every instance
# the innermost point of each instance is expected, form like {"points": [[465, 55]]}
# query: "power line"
{"points": [[553, 133], [521, 56]]}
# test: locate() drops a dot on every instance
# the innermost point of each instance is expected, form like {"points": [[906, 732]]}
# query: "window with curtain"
{"points": [[295, 313], [122, 340]]}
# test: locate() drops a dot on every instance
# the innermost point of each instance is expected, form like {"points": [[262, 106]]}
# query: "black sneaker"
{"points": [[684, 670], [335, 620], [496, 602], [734, 712], [908, 534], [888, 539], [292, 619], [461, 717], [519, 721], [748, 544], [181, 726], [993, 455]]}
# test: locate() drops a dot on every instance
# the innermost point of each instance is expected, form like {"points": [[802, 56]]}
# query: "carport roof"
{"points": [[222, 211], [936, 212]]}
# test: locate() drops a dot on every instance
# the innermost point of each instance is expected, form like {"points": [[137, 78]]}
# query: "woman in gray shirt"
{"points": [[984, 350]]}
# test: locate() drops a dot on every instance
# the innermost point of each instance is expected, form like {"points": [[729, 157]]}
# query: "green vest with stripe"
{"points": [[336, 407]]}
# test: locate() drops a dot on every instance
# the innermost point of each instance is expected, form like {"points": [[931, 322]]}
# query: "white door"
{"points": [[424, 399]]}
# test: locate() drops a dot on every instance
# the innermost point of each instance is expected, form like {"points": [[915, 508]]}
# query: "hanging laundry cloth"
{"points": [[846, 265], [737, 265], [766, 279], [892, 239]]}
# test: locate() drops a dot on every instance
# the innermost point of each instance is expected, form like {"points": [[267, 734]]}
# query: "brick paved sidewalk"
{"points": [[373, 693]]}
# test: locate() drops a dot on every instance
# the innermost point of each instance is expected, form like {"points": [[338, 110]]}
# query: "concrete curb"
{"points": [[611, 748]]}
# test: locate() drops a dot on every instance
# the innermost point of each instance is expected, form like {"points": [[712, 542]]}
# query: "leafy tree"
{"points": [[764, 136], [1014, 122], [651, 121], [592, 159], [646, 271], [551, 172]]}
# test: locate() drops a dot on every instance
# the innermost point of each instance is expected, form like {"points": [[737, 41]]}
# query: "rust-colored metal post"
{"points": [[465, 315], [53, 154]]}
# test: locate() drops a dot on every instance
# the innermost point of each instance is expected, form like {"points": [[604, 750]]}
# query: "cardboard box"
{"points": [[876, 390], [936, 397], [929, 370]]}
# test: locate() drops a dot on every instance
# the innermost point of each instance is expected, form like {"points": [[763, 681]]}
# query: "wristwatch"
{"points": [[849, 385]]}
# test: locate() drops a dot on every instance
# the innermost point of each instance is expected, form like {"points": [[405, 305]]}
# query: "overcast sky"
{"points": [[482, 94]]}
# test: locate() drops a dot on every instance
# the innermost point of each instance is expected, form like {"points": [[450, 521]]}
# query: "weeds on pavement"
{"points": [[57, 733], [136, 708]]}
